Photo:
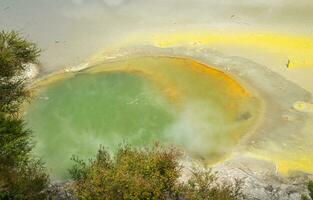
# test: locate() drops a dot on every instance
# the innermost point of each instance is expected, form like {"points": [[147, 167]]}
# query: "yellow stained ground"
{"points": [[298, 48], [276, 50]]}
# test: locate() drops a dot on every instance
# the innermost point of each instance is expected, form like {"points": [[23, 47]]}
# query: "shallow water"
{"points": [[140, 101], [79, 114]]}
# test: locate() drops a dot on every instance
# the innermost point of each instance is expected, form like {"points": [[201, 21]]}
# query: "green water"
{"points": [[79, 114], [139, 101]]}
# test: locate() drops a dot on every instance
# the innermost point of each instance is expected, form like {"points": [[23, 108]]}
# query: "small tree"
{"points": [[15, 54], [21, 176]]}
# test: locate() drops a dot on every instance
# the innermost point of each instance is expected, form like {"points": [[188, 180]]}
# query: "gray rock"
{"points": [[61, 191], [260, 180]]}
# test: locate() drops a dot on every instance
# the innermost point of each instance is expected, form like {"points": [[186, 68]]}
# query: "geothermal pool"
{"points": [[139, 101]]}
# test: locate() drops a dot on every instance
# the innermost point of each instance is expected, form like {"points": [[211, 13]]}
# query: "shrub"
{"points": [[203, 185], [143, 174], [15, 54], [21, 176], [28, 180], [131, 174]]}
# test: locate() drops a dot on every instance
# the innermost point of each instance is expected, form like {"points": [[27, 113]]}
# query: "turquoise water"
{"points": [[77, 115]]}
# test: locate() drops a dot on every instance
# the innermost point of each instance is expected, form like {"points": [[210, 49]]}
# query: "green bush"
{"points": [[203, 185], [131, 174], [28, 180], [143, 174], [15, 54], [21, 176], [14, 141]]}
